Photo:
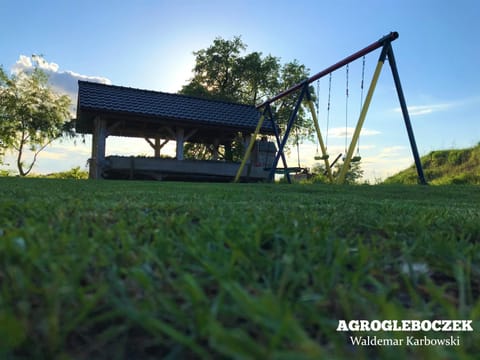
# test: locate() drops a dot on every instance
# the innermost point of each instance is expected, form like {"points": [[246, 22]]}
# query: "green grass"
{"points": [[117, 270], [445, 167]]}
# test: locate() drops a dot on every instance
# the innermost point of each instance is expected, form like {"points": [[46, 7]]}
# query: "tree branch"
{"points": [[35, 155]]}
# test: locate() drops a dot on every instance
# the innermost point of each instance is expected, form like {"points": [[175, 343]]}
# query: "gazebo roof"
{"points": [[144, 113]]}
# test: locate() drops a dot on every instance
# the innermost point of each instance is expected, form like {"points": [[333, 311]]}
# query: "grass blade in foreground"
{"points": [[146, 270]]}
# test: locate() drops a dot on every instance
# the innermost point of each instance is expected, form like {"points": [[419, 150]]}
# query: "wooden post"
{"points": [[157, 146], [216, 143], [98, 148], [228, 151], [180, 138]]}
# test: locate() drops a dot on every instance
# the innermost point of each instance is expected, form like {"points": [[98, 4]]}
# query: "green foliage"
{"points": [[439, 157], [317, 178], [114, 269], [216, 70], [223, 71], [75, 173], [199, 151], [354, 173], [445, 167], [6, 172], [458, 157], [32, 115]]}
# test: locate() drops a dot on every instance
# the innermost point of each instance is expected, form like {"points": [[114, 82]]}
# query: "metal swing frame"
{"points": [[304, 94]]}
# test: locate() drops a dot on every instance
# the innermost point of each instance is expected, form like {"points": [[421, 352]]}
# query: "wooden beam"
{"points": [[150, 142], [114, 126], [170, 130], [190, 134]]}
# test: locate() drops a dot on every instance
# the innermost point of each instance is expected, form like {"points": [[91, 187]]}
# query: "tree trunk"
{"points": [[20, 164], [19, 157]]}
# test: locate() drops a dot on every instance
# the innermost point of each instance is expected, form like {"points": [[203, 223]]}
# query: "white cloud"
{"points": [[24, 62], [52, 155], [419, 110], [392, 151], [63, 81], [426, 109], [60, 155], [341, 132]]}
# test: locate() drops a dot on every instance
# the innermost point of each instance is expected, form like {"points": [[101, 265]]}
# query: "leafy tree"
{"points": [[2, 151], [259, 77], [291, 74], [32, 115], [224, 72], [196, 151], [354, 173], [217, 71]]}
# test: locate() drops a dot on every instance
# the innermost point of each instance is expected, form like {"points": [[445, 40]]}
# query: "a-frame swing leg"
{"points": [[248, 151], [249, 148], [269, 112], [319, 136], [291, 120], [361, 119], [406, 117]]}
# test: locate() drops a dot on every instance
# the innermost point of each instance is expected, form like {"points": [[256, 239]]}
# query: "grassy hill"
{"points": [[445, 167]]}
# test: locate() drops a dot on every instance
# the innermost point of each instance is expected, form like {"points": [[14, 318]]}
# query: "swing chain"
{"points": [[346, 105], [362, 82], [361, 99], [328, 107], [317, 104]]}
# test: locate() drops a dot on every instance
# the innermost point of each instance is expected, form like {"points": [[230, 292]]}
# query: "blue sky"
{"points": [[149, 44]]}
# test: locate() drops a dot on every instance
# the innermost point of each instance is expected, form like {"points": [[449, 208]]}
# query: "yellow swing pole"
{"points": [[320, 140], [361, 120], [249, 148]]}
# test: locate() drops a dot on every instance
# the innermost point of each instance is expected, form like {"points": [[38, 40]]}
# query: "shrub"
{"points": [[461, 179], [458, 157], [439, 157], [74, 173], [4, 173]]}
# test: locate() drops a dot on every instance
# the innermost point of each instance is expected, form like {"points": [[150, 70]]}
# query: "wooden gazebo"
{"points": [[157, 117]]}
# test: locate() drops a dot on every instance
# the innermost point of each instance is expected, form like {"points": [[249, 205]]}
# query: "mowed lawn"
{"points": [[140, 270]]}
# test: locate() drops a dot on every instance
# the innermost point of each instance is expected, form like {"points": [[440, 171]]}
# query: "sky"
{"points": [[149, 44]]}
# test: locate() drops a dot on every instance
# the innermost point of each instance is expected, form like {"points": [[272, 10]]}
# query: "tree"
{"points": [[217, 71], [259, 77], [32, 115], [224, 72], [354, 173], [291, 74]]}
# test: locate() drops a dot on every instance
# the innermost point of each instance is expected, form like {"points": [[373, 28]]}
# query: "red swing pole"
{"points": [[372, 47]]}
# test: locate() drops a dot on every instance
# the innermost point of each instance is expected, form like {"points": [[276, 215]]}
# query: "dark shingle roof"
{"points": [[95, 98]]}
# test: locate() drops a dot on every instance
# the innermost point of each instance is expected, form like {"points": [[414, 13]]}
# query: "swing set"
{"points": [[304, 94]]}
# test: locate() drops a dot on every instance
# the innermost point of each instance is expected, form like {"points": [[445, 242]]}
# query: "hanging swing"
{"points": [[357, 157], [319, 156]]}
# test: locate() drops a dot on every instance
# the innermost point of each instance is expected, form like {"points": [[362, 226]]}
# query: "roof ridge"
{"points": [[165, 93]]}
